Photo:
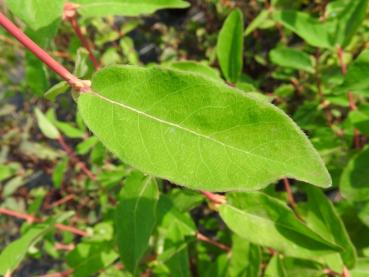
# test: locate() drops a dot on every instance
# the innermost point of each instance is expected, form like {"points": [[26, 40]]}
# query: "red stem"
{"points": [[350, 96], [290, 198], [73, 157], [32, 219], [42, 55], [221, 246], [86, 44], [215, 198]]}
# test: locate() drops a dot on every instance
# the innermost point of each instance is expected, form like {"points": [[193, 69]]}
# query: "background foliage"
{"points": [[212, 117]]}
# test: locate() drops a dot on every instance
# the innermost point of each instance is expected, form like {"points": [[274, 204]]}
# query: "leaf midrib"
{"points": [[135, 110]]}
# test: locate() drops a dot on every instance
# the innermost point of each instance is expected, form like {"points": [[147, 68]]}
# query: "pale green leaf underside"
{"points": [[196, 132], [91, 8]]}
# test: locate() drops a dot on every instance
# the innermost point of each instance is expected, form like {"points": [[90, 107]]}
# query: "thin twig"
{"points": [[77, 84], [59, 274], [70, 14], [350, 97], [62, 201], [73, 157], [33, 219], [221, 246], [290, 198], [215, 198]]}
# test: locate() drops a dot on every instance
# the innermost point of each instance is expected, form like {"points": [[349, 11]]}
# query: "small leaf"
{"points": [[89, 257], [291, 58], [356, 78], [14, 253], [203, 134], [354, 182], [328, 223], [275, 268], [56, 90], [245, 259], [266, 221], [349, 16], [59, 171], [309, 28], [262, 20], [90, 8], [230, 46], [135, 218], [46, 127]]}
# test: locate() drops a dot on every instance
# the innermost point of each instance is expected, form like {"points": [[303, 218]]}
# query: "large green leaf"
{"points": [[91, 8], [230, 46], [356, 78], [325, 221], [195, 131], [135, 218], [354, 183], [245, 259], [291, 58], [266, 221], [38, 14]]}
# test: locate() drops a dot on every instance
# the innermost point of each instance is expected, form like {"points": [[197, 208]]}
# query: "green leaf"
{"points": [[291, 58], [89, 257], [275, 268], [262, 20], [360, 119], [196, 132], [90, 8], [38, 14], [245, 259], [65, 127], [309, 28], [59, 171], [230, 46], [129, 50], [354, 182], [356, 78], [14, 253], [6, 171], [177, 229], [46, 127], [175, 255], [196, 67], [361, 269], [349, 16], [328, 224], [86, 145], [56, 90], [135, 218], [266, 221]]}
